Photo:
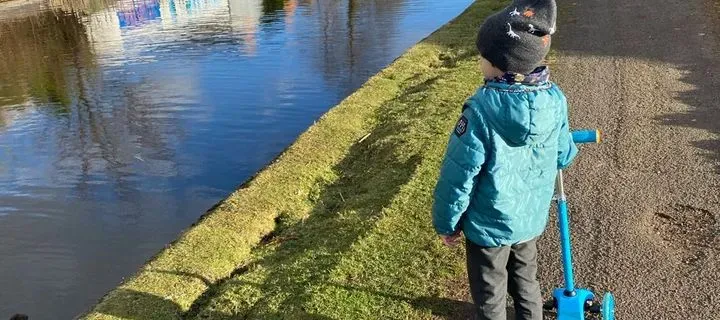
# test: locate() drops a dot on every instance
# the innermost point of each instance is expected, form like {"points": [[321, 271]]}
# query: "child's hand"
{"points": [[452, 239]]}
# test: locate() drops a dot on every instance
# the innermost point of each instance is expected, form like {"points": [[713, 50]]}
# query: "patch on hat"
{"points": [[546, 40], [512, 33], [461, 126]]}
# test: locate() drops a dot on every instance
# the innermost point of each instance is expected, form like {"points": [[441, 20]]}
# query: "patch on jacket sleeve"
{"points": [[461, 126]]}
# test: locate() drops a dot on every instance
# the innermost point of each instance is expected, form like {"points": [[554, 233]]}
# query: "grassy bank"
{"points": [[338, 226]]}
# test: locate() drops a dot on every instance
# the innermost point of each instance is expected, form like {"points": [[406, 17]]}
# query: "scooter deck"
{"points": [[572, 307]]}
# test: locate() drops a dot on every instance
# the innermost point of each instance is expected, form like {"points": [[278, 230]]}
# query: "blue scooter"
{"points": [[572, 303]]}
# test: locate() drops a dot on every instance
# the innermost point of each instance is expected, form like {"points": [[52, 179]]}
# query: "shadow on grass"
{"points": [[368, 179], [136, 304], [345, 210], [439, 307], [139, 301], [444, 308]]}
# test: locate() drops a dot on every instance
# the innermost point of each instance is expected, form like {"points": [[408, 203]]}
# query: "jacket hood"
{"points": [[521, 117]]}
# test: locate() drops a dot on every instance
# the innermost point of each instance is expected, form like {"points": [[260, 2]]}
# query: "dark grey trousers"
{"points": [[493, 272]]}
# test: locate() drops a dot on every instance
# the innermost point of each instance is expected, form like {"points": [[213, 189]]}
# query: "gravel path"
{"points": [[645, 204]]}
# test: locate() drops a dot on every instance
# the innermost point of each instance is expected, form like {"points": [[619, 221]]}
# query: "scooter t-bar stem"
{"points": [[579, 136], [564, 226]]}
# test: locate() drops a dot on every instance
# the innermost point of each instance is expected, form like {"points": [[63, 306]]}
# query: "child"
{"points": [[498, 176]]}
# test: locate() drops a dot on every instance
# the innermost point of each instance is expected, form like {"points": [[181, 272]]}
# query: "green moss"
{"points": [[338, 226]]}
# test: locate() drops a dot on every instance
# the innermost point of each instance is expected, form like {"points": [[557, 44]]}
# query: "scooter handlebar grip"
{"points": [[586, 136]]}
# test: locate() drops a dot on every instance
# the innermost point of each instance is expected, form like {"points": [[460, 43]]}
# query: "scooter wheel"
{"points": [[608, 307]]}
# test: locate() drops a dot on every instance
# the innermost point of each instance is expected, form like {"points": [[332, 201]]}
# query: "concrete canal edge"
{"points": [[220, 245]]}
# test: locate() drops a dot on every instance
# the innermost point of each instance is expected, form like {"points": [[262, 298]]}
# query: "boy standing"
{"points": [[498, 176]]}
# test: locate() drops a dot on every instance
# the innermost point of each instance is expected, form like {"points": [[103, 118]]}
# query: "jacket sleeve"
{"points": [[567, 150], [463, 160]]}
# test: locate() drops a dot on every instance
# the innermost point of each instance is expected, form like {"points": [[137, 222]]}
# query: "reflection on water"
{"points": [[122, 121], [138, 12]]}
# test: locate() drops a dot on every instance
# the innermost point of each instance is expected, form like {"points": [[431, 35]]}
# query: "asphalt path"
{"points": [[645, 203]]}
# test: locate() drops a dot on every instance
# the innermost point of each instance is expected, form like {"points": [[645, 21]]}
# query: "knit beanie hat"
{"points": [[517, 38]]}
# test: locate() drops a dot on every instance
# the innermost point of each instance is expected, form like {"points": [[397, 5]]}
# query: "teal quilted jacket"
{"points": [[498, 176]]}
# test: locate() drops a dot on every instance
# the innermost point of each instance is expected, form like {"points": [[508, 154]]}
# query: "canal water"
{"points": [[121, 122]]}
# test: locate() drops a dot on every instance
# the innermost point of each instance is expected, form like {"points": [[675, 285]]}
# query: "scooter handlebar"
{"points": [[586, 136]]}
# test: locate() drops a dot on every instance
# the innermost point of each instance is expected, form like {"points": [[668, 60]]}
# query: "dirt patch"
{"points": [[693, 229]]}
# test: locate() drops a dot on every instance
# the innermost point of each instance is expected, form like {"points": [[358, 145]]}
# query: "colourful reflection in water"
{"points": [[140, 12]]}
